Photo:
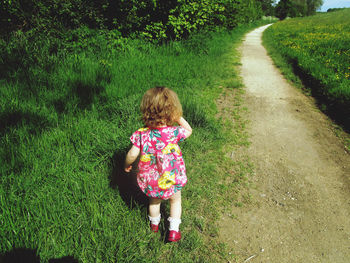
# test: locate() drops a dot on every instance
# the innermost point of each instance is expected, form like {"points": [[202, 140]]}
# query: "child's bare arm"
{"points": [[184, 124], [131, 157]]}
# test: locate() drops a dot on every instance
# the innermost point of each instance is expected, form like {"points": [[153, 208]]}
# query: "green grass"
{"points": [[314, 51], [65, 131]]}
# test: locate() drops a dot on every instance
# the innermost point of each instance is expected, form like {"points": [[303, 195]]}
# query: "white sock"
{"points": [[174, 224], [154, 220]]}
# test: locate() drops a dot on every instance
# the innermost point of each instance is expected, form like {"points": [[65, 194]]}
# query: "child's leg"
{"points": [[175, 212], [154, 210], [175, 205]]}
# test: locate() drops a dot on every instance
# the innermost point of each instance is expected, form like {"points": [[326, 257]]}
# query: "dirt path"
{"points": [[300, 193]]}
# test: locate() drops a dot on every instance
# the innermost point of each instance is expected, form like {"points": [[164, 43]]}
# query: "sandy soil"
{"points": [[300, 192]]}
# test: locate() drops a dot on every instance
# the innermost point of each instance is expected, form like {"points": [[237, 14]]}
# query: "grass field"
{"points": [[317, 50], [65, 131]]}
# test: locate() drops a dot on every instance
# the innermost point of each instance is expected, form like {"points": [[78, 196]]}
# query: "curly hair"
{"points": [[160, 106]]}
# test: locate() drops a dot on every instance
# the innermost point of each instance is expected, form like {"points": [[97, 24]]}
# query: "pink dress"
{"points": [[162, 169]]}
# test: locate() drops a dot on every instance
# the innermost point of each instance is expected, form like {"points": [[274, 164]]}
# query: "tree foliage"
{"points": [[36, 33], [150, 18], [267, 7], [295, 8], [335, 9], [285, 8]]}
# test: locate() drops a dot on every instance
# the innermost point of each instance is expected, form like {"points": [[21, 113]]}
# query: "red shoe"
{"points": [[174, 236], [154, 228]]}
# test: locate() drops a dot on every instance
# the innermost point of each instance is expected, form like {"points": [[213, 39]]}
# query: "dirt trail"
{"points": [[300, 193]]}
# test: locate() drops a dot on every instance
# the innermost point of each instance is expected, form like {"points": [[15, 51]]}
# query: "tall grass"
{"points": [[64, 134], [317, 48]]}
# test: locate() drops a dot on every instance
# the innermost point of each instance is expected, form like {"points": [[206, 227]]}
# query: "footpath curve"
{"points": [[300, 192]]}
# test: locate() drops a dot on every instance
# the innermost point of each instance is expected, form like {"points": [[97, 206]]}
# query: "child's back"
{"points": [[162, 172]]}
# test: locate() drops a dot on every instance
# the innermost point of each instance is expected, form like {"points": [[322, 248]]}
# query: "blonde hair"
{"points": [[160, 106]]}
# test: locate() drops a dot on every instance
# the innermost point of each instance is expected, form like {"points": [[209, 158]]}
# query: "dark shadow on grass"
{"points": [[337, 111], [126, 182], [86, 93], [130, 191], [80, 97], [34, 122], [20, 255], [26, 255]]}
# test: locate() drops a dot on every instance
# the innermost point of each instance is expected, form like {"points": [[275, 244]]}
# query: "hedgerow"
{"points": [[154, 19]]}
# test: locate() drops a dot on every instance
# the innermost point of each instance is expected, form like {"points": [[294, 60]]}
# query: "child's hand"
{"points": [[130, 158], [128, 169]]}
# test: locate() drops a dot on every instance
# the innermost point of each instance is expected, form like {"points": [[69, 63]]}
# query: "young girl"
{"points": [[162, 172]]}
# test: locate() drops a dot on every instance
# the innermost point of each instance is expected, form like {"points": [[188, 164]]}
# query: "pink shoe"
{"points": [[174, 236], [154, 228]]}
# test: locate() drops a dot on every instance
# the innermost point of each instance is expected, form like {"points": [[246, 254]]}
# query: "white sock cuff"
{"points": [[174, 224], [174, 220], [155, 220]]}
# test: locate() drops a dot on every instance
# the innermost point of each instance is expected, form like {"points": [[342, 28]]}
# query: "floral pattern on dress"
{"points": [[162, 170]]}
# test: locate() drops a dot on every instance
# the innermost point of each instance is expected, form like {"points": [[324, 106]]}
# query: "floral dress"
{"points": [[161, 167]]}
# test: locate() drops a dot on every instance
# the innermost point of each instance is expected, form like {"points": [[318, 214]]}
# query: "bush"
{"points": [[175, 18]]}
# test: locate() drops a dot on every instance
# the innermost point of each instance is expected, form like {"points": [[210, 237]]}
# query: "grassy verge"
{"points": [[64, 135], [313, 53]]}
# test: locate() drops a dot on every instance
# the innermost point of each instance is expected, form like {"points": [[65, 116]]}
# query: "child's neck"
{"points": [[161, 125]]}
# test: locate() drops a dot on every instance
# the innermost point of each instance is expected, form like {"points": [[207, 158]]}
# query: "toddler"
{"points": [[161, 169]]}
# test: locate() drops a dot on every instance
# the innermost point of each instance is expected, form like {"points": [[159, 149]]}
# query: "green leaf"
{"points": [[157, 134], [153, 160]]}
